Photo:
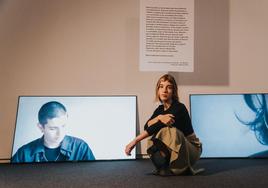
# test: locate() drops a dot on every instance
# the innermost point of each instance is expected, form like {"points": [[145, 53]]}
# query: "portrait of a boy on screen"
{"points": [[58, 129]]}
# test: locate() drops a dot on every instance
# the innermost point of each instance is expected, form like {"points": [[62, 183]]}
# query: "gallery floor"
{"points": [[134, 173]]}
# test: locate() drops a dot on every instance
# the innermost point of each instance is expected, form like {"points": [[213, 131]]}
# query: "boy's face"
{"points": [[54, 131]]}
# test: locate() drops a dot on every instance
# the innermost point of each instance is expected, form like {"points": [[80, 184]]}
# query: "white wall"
{"points": [[87, 47]]}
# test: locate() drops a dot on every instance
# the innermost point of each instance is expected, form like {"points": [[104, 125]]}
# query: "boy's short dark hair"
{"points": [[50, 110]]}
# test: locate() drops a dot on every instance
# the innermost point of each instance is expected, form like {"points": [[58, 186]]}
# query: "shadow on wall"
{"points": [[211, 41]]}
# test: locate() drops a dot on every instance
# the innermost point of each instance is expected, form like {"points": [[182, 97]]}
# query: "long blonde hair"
{"points": [[169, 78]]}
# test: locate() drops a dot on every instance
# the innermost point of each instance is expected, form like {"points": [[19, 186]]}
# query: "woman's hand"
{"points": [[133, 143], [130, 147], [167, 119]]}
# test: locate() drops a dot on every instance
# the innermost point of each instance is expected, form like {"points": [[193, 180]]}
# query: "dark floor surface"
{"points": [[231, 173]]}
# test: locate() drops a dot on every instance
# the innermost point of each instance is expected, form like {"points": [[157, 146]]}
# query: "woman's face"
{"points": [[165, 91]]}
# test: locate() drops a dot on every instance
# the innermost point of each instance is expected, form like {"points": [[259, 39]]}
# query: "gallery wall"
{"points": [[89, 47]]}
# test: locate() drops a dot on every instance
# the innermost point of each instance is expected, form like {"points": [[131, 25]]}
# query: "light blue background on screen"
{"points": [[222, 134], [105, 123]]}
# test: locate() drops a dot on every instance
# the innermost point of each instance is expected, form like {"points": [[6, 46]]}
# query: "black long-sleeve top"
{"points": [[182, 119]]}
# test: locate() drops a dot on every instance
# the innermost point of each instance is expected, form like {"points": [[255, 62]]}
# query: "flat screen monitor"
{"points": [[231, 125], [73, 128]]}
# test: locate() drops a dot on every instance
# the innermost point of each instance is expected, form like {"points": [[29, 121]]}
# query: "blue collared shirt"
{"points": [[71, 149]]}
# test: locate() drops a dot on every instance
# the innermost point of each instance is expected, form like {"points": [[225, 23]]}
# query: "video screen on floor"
{"points": [[73, 128], [231, 125]]}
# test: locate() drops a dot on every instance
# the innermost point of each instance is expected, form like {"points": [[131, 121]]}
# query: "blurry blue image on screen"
{"points": [[105, 123], [231, 125]]}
